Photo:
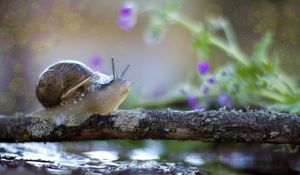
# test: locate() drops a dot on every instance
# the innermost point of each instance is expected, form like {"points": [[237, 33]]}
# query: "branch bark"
{"points": [[213, 126]]}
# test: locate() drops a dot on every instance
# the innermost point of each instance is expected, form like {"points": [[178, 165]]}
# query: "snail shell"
{"points": [[58, 82]]}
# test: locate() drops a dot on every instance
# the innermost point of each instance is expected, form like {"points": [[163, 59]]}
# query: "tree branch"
{"points": [[213, 126]]}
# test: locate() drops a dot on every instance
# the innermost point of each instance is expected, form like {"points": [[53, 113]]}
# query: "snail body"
{"points": [[109, 98], [73, 90]]}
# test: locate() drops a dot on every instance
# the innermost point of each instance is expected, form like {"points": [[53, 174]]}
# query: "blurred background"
{"points": [[36, 34]]}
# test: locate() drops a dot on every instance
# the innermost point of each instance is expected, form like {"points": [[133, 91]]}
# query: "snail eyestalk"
{"points": [[113, 68], [117, 75], [124, 71]]}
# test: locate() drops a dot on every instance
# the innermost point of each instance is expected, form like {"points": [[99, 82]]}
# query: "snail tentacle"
{"points": [[124, 71]]}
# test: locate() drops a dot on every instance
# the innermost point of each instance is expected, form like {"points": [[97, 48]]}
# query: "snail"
{"points": [[70, 91]]}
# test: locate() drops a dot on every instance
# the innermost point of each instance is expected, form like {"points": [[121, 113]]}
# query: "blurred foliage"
{"points": [[252, 80], [29, 29]]}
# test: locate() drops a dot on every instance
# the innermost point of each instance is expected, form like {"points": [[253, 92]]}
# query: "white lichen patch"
{"points": [[77, 119], [272, 117], [40, 128], [274, 134], [166, 129], [128, 121], [207, 120]]}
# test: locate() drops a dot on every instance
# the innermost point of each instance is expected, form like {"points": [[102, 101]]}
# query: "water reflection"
{"points": [[104, 156], [143, 154], [35, 151], [194, 159], [238, 160], [152, 151]]}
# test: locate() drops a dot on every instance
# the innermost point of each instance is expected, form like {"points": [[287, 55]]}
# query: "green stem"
{"points": [[271, 95], [237, 54], [228, 30], [215, 40]]}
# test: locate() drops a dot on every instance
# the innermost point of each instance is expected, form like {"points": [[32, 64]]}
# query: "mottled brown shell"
{"points": [[60, 81]]}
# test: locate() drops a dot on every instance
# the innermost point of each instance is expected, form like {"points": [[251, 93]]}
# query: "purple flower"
{"points": [[203, 67], [225, 100], [126, 11], [211, 80], [193, 103], [96, 62], [205, 90], [191, 100], [127, 16]]}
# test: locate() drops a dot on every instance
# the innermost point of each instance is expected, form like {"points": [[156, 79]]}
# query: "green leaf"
{"points": [[288, 107], [202, 42], [261, 48]]}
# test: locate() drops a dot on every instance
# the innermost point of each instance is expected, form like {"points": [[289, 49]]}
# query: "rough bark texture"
{"points": [[213, 126]]}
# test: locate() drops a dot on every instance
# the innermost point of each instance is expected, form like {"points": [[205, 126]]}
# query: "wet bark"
{"points": [[213, 126]]}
